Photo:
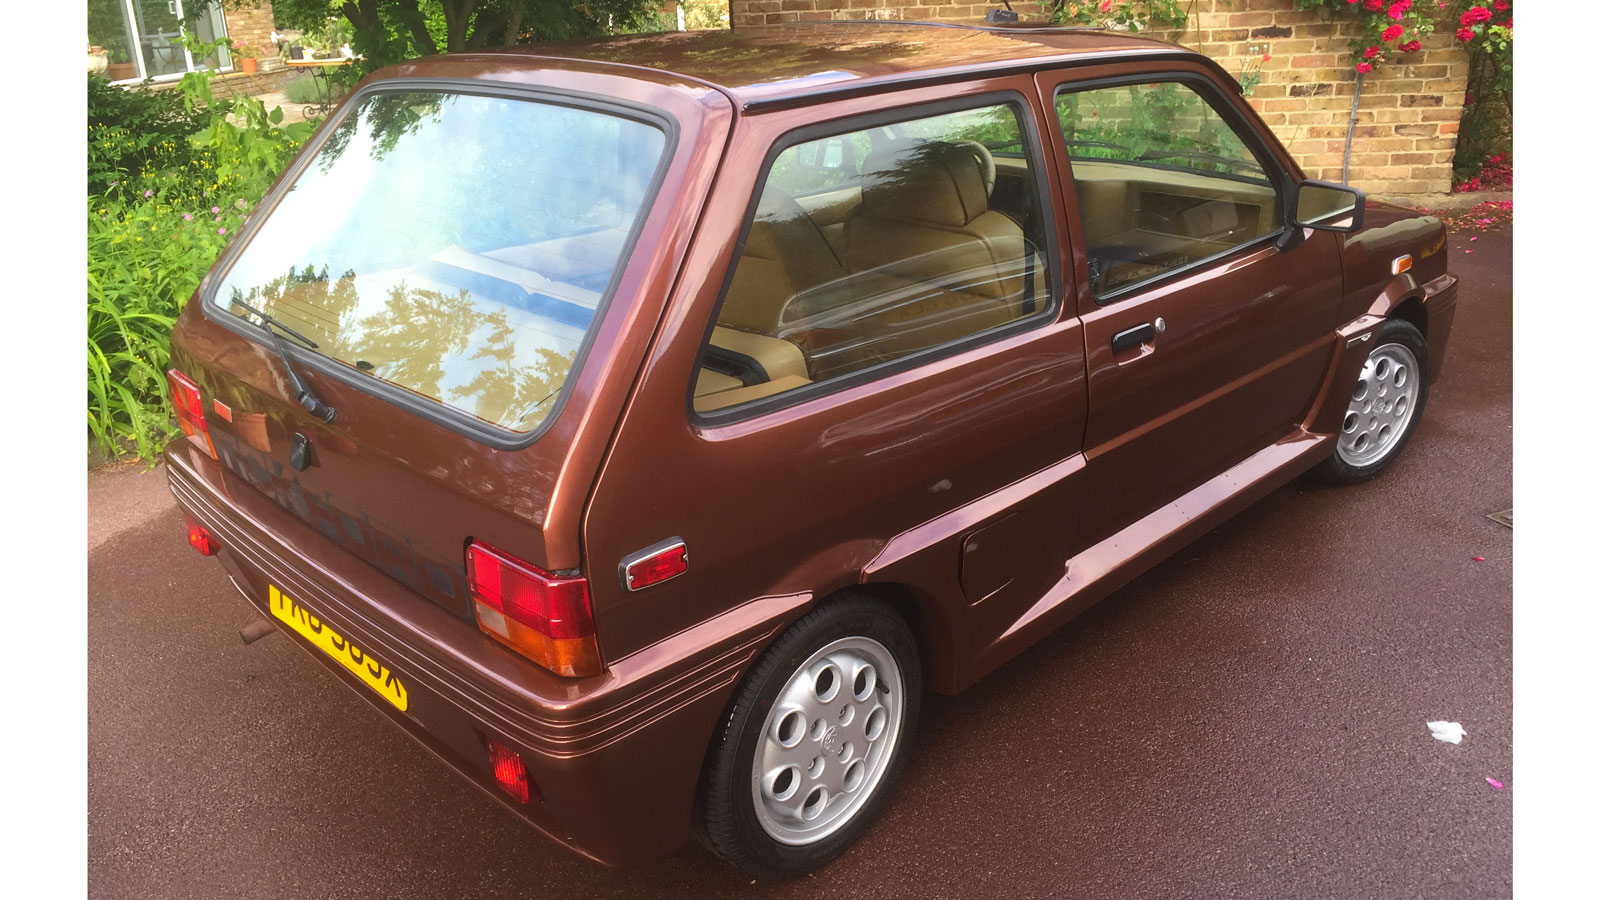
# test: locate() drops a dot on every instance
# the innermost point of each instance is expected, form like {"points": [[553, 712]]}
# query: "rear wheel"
{"points": [[814, 740], [1384, 408]]}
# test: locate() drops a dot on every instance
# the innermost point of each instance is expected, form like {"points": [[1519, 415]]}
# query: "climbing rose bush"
{"points": [[1392, 28]]}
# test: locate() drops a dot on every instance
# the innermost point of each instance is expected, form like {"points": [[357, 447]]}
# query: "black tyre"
{"points": [[813, 742], [1385, 407]]}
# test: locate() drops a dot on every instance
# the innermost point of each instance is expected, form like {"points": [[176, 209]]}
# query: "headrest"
{"points": [[927, 181], [778, 217]]}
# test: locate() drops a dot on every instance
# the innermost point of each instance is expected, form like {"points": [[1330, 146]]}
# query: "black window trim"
{"points": [[1280, 178], [1040, 317], [436, 411]]}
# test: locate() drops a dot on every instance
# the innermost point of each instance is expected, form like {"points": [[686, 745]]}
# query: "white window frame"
{"points": [[131, 21]]}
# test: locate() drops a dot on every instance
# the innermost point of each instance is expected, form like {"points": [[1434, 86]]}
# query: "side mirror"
{"points": [[1328, 206]]}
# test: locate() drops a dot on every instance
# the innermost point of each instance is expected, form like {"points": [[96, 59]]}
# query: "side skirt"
{"points": [[1099, 570]]}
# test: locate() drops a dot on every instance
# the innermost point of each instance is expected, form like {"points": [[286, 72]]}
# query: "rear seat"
{"points": [[784, 255], [924, 224]]}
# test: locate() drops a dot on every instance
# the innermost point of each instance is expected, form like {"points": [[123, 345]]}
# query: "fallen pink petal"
{"points": [[1494, 784], [1476, 558]]}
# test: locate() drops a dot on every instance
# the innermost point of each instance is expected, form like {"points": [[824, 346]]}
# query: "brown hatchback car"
{"points": [[643, 425]]}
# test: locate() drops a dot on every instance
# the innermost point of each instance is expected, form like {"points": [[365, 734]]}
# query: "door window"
{"points": [[942, 243], [1163, 182]]}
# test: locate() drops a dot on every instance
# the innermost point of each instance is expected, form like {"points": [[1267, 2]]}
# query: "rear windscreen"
{"points": [[455, 245]]}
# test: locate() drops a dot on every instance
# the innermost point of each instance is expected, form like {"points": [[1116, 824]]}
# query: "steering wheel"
{"points": [[985, 163]]}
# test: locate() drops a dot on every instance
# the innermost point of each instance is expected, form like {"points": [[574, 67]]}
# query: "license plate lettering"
{"points": [[371, 672]]}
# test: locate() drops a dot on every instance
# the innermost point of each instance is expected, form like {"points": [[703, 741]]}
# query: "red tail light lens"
{"points": [[190, 412], [509, 770], [200, 539], [544, 617]]}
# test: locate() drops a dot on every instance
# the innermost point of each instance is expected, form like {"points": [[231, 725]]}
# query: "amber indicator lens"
{"points": [[509, 770], [200, 539], [1401, 264], [544, 617], [657, 567], [188, 409]]}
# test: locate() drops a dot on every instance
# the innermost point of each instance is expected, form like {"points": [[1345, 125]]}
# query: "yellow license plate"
{"points": [[305, 623]]}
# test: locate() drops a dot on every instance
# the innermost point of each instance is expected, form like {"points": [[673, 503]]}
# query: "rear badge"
{"points": [[299, 452]]}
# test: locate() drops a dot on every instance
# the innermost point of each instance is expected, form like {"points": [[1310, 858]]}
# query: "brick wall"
{"points": [[251, 25], [1410, 110]]}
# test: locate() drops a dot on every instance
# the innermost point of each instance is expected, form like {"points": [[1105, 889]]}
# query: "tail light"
{"points": [[200, 539], [509, 771], [187, 407], [544, 617]]}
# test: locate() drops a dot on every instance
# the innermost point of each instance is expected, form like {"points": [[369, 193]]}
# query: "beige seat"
{"points": [[784, 255], [930, 260]]}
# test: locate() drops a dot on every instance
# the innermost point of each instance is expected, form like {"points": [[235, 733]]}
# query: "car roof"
{"points": [[789, 64]]}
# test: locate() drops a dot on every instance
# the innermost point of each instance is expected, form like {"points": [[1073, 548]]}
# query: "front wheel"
{"points": [[814, 740], [1384, 408]]}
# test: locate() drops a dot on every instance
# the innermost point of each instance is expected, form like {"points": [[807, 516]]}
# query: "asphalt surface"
{"points": [[1246, 720]]}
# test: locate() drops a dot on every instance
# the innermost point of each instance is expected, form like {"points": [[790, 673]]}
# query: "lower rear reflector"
{"points": [[200, 539], [509, 771]]}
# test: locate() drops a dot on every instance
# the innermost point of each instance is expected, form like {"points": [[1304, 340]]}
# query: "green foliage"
{"points": [[698, 15], [388, 31], [161, 207], [135, 131], [1129, 15], [302, 89]]}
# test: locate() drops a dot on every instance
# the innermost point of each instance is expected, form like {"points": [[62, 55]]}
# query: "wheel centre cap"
{"points": [[831, 742]]}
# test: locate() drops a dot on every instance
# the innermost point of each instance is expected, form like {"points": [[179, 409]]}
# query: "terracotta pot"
{"points": [[247, 65], [121, 71]]}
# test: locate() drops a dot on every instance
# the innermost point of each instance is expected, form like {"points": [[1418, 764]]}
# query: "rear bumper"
{"points": [[616, 757]]}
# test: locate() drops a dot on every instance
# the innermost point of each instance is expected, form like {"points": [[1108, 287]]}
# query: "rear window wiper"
{"points": [[302, 391]]}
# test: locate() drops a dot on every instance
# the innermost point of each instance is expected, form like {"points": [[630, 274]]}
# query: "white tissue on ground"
{"points": [[1447, 731]]}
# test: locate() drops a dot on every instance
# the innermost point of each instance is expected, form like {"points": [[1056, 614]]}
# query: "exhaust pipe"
{"points": [[256, 630]]}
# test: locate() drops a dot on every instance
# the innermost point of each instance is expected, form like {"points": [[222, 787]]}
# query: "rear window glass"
{"points": [[455, 245]]}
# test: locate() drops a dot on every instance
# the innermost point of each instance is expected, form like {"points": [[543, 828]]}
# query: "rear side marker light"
{"points": [[509, 771], [655, 564], [544, 617], [190, 412], [200, 539]]}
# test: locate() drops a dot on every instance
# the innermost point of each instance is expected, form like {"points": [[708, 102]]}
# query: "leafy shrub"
{"points": [[175, 203], [302, 90], [135, 131]]}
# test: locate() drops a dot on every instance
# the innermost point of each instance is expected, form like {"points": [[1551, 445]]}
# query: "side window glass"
{"points": [[823, 165], [940, 241], [1162, 180]]}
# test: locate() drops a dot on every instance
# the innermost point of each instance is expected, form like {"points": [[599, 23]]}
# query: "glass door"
{"points": [[208, 26], [144, 38], [108, 30], [160, 27]]}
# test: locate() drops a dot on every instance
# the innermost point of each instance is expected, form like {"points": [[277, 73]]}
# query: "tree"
{"points": [[388, 31]]}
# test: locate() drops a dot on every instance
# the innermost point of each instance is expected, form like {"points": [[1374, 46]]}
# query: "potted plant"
{"points": [[122, 66], [99, 60]]}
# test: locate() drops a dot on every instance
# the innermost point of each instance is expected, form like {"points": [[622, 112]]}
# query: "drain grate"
{"points": [[1503, 517]]}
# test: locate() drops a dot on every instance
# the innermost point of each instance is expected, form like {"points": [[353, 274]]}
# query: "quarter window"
{"points": [[1163, 181], [877, 245]]}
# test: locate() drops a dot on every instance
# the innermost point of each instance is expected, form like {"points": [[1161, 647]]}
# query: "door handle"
{"points": [[1133, 337]]}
